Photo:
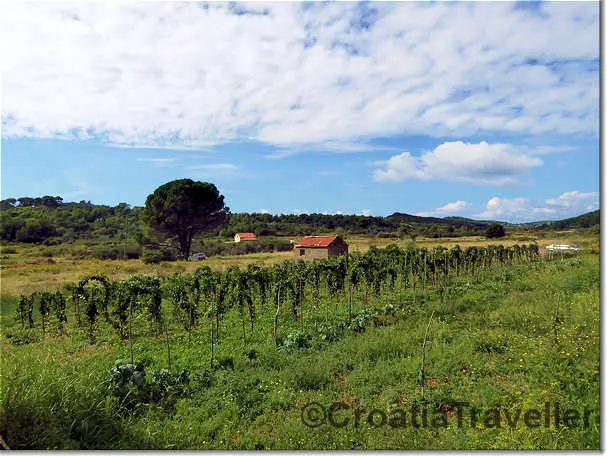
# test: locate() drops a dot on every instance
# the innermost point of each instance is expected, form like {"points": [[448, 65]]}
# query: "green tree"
{"points": [[179, 209], [495, 231]]}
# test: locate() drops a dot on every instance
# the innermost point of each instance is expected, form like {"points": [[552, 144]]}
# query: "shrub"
{"points": [[157, 255], [202, 379], [131, 251], [330, 333], [21, 338], [132, 386], [105, 252], [390, 309], [296, 340], [495, 231], [211, 248], [225, 363], [360, 320]]}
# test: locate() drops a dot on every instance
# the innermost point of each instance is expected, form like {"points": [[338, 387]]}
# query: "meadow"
{"points": [[503, 329]]}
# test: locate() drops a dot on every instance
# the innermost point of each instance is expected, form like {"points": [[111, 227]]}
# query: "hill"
{"points": [[582, 221], [52, 221]]}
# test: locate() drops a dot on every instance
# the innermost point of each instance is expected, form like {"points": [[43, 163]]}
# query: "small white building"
{"points": [[244, 236], [562, 247]]}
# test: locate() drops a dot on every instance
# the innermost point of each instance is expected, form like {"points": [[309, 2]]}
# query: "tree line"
{"points": [[53, 221]]}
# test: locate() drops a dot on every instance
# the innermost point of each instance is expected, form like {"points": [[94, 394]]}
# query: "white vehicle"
{"points": [[198, 256], [562, 247]]}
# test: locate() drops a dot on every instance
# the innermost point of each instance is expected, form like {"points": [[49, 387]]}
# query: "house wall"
{"points": [[334, 249], [338, 247], [312, 253], [236, 238]]}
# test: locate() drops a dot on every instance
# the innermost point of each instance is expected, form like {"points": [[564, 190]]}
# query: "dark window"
{"points": [[302, 252]]}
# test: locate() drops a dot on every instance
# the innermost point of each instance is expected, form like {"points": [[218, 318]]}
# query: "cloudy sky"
{"points": [[484, 110]]}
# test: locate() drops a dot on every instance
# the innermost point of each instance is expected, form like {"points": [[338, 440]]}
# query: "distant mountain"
{"points": [[450, 220], [582, 221]]}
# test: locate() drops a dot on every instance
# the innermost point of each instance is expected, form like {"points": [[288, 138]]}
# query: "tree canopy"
{"points": [[495, 231], [182, 208]]}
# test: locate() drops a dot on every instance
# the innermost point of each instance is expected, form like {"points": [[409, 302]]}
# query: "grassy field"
{"points": [[27, 268], [510, 339]]}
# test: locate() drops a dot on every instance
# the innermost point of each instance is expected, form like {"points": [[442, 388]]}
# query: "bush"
{"points": [[131, 251], [360, 320], [225, 363], [132, 386], [105, 253], [495, 231], [390, 309], [157, 255], [211, 248], [296, 340], [21, 338], [202, 379], [330, 333]]}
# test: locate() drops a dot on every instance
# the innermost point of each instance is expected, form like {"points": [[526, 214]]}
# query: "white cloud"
{"points": [[522, 209], [186, 75], [544, 150], [513, 209], [214, 167], [366, 212], [482, 163], [449, 209], [156, 160], [575, 200], [265, 211]]}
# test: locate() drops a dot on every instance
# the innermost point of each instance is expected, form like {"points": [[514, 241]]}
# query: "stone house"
{"points": [[320, 247]]}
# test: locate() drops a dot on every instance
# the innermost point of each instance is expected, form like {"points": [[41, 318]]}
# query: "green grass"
{"points": [[27, 267], [514, 337]]}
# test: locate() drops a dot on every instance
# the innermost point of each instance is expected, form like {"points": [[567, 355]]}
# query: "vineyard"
{"points": [[206, 296], [188, 335]]}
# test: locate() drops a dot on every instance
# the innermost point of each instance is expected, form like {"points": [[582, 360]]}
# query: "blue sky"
{"points": [[483, 110]]}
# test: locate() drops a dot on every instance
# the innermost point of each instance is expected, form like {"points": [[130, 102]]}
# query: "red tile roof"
{"points": [[316, 242], [247, 236]]}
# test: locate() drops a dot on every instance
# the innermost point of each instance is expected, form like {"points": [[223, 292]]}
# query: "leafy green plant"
{"points": [[21, 338], [202, 378], [329, 333], [296, 340], [133, 386], [225, 362], [360, 321], [390, 309]]}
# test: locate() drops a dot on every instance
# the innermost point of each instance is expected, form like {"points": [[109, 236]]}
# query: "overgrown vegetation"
{"points": [[509, 328]]}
